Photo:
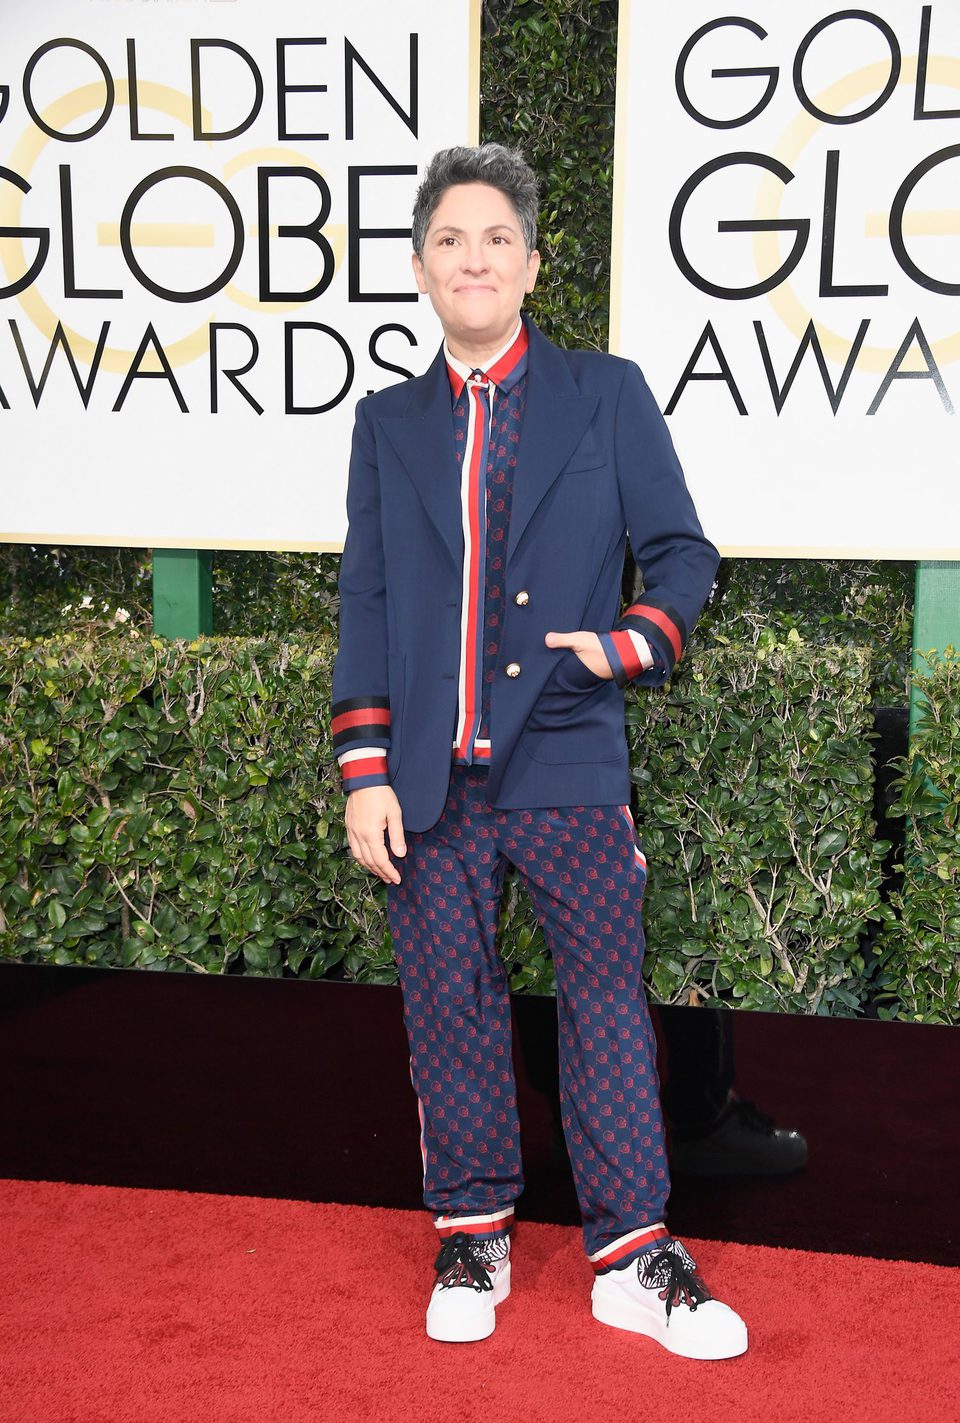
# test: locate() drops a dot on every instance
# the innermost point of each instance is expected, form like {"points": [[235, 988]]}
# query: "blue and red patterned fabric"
{"points": [[586, 876], [487, 421]]}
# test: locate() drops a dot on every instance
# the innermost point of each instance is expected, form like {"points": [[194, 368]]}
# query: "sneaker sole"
{"points": [[622, 1315], [465, 1331]]}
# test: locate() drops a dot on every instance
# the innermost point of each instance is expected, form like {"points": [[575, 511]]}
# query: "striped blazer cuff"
{"points": [[628, 654], [358, 723], [364, 766], [661, 625]]}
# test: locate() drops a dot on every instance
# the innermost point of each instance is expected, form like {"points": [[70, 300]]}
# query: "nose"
{"points": [[474, 258]]}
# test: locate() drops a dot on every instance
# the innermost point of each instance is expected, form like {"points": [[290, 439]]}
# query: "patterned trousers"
{"points": [[586, 876]]}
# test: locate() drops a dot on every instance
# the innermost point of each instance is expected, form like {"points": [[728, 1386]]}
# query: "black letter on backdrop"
{"points": [[904, 193], [772, 75], [920, 93], [70, 287], [101, 64], [310, 230], [871, 19], [283, 89], [811, 339], [828, 240], [59, 339], [410, 117], [356, 233], [134, 103], [690, 373], [232, 374], [126, 219], [289, 327], [800, 226], [42, 235], [895, 373], [134, 373], [378, 359], [195, 48]]}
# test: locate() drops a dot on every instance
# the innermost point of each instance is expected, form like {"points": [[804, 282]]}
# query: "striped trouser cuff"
{"points": [[484, 1226], [619, 1253]]}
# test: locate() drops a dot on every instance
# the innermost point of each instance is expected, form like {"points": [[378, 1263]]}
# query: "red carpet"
{"points": [[135, 1306]]}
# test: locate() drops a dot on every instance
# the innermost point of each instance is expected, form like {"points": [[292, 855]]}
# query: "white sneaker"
{"points": [[661, 1295], [473, 1275]]}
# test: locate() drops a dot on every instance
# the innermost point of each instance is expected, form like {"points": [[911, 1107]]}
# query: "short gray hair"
{"points": [[503, 168]]}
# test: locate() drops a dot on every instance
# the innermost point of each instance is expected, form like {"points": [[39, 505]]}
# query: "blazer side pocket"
{"points": [[578, 716]]}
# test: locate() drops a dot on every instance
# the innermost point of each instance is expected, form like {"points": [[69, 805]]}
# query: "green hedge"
{"points": [[920, 978], [172, 805], [166, 805]]}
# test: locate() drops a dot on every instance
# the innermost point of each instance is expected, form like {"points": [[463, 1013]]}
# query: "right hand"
{"points": [[371, 812]]}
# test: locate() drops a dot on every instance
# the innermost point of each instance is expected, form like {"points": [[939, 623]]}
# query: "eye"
{"points": [[448, 239], [499, 237]]}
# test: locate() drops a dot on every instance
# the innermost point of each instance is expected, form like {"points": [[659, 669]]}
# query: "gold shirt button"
{"points": [[513, 669], [522, 598]]}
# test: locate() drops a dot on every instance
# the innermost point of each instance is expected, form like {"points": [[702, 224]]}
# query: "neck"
{"points": [[477, 350]]}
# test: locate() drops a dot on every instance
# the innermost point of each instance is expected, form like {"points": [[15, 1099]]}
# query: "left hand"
{"points": [[587, 647]]}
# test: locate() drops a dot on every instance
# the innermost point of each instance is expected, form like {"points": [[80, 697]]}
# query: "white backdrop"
{"points": [[150, 442], [877, 266]]}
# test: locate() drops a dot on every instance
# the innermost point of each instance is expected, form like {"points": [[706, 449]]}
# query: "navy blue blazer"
{"points": [[595, 460]]}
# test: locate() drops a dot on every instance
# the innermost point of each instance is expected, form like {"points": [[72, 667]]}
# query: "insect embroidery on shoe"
{"points": [[672, 1272], [460, 1262]]}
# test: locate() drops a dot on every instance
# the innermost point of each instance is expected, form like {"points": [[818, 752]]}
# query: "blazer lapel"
{"points": [[554, 421], [423, 440]]}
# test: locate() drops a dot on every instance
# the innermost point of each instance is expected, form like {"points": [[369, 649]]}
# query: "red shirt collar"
{"points": [[499, 373]]}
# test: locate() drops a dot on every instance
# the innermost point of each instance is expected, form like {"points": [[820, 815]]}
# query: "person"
{"points": [[478, 719]]}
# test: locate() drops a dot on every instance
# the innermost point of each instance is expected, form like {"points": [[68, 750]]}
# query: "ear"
{"points": [[533, 267], [418, 273]]}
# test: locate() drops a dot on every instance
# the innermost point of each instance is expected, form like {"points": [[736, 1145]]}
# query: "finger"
{"points": [[395, 832], [358, 842], [379, 861], [561, 639]]}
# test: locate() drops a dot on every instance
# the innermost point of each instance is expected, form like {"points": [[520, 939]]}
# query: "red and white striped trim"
{"points": [[660, 619], [473, 521], [626, 1245], [494, 1223], [423, 1144], [642, 648], [481, 752], [638, 853], [472, 512], [365, 761]]}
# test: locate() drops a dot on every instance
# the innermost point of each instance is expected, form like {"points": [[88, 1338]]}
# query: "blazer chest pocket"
{"points": [[589, 454]]}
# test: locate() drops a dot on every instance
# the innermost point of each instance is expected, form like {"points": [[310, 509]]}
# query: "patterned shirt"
{"points": [[487, 418]]}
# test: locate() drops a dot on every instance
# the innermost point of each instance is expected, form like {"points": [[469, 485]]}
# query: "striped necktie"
{"points": [[473, 500]]}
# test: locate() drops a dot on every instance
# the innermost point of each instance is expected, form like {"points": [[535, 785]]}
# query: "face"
{"points": [[475, 267]]}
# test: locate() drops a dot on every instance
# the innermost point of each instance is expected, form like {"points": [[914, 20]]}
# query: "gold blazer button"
{"points": [[522, 598], [513, 669]]}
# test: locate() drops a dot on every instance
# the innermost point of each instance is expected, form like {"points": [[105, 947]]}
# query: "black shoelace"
{"points": [[673, 1273], [459, 1263]]}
